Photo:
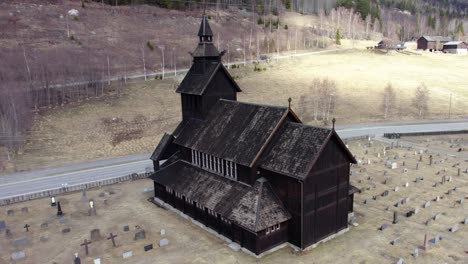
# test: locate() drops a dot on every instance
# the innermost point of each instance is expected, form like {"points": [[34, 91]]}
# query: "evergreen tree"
{"points": [[338, 37], [363, 7]]}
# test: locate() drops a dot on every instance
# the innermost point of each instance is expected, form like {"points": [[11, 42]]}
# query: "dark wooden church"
{"points": [[253, 173]]}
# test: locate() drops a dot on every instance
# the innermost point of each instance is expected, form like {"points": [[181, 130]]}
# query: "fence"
{"points": [[414, 134], [73, 188]]}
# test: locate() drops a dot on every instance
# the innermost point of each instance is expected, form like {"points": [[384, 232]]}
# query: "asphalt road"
{"points": [[52, 178]]}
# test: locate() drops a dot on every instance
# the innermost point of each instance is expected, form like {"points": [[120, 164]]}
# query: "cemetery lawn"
{"points": [[189, 243], [134, 122]]}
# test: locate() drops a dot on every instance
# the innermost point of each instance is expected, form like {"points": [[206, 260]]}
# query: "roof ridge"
{"points": [[258, 205], [254, 104], [306, 125]]}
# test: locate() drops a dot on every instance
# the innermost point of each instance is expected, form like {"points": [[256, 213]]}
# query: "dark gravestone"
{"points": [[395, 241], [95, 235], [383, 227], [8, 233], [66, 230], [126, 228], [59, 209], [2, 225], [102, 194], [111, 192], [44, 225], [25, 210], [84, 198], [395, 217], [20, 242], [77, 259], [409, 214], [43, 239], [148, 247], [10, 212], [140, 235]]}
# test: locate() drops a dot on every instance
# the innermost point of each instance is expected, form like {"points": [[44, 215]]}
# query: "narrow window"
{"points": [[193, 156], [235, 171], [222, 167], [268, 231]]}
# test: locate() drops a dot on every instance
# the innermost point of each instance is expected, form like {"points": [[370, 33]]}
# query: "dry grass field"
{"points": [[135, 121], [364, 243]]}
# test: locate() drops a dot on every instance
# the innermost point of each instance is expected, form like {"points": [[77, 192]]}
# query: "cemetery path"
{"points": [[52, 178]]}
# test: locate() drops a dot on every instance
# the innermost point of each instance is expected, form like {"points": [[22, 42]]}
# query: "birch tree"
{"points": [[421, 100], [388, 100]]}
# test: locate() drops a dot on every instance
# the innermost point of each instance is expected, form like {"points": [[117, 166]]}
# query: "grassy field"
{"points": [[126, 204], [135, 121]]}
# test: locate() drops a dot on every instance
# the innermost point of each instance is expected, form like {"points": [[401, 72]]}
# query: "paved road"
{"points": [[40, 180]]}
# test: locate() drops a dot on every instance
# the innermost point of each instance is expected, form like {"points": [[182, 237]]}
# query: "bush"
{"points": [[260, 21], [149, 45]]}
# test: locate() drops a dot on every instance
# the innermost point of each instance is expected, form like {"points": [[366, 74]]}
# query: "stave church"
{"points": [[253, 173]]}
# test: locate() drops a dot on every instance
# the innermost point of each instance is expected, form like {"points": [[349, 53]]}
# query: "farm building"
{"points": [[253, 173], [456, 47], [390, 44], [432, 43]]}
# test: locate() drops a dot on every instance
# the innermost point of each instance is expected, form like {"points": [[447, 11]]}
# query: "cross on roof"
{"points": [[85, 244], [27, 227], [112, 236]]}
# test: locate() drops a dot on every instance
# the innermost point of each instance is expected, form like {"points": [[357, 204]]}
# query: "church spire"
{"points": [[205, 33]]}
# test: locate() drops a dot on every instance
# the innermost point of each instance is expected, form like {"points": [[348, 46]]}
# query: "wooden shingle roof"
{"points": [[293, 149], [253, 207], [164, 143], [205, 29], [197, 80], [233, 130]]}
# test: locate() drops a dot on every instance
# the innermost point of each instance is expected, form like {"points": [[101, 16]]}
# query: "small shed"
{"points": [[390, 44], [456, 47], [432, 43]]}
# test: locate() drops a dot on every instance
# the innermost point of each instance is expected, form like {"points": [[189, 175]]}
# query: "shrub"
{"points": [[150, 46], [260, 21]]}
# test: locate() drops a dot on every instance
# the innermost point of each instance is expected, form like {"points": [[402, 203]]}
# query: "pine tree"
{"points": [[338, 37]]}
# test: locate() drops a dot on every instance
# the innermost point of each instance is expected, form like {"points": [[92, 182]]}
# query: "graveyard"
{"points": [[410, 207]]}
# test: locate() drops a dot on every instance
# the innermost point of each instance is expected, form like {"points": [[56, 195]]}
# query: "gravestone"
{"points": [[404, 163], [437, 217], [383, 227], [66, 230], [417, 166], [416, 252], [18, 255], [8, 233], [25, 210], [84, 198], [10, 212], [77, 259], [409, 214], [59, 209], [127, 254], [52, 201], [148, 247], [2, 225], [395, 217], [416, 210], [163, 232], [396, 189], [140, 235], [95, 235], [406, 184], [385, 193], [44, 225], [427, 204], [426, 242], [62, 220], [97, 261], [163, 242], [453, 229], [401, 261], [102, 194], [126, 228], [112, 237], [465, 222], [111, 192], [436, 239], [395, 241], [437, 198], [394, 166], [43, 239], [366, 201], [20, 242]]}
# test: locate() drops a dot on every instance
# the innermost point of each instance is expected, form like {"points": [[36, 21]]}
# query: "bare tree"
{"points": [[388, 100], [421, 100]]}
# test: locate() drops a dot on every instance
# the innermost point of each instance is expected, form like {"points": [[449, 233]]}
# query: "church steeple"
{"points": [[205, 33], [206, 48]]}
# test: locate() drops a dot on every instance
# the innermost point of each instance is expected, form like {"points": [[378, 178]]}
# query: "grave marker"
{"points": [[77, 259], [59, 209], [140, 235], [97, 261], [44, 225], [148, 247], [395, 217], [2, 225], [52, 201], [453, 229], [84, 198], [25, 210], [66, 230], [416, 252], [437, 217], [395, 241], [127, 254], [426, 243], [126, 228], [10, 212], [112, 237], [85, 244], [20, 242], [26, 226], [18, 255], [163, 242], [95, 235], [383, 227], [163, 232]]}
